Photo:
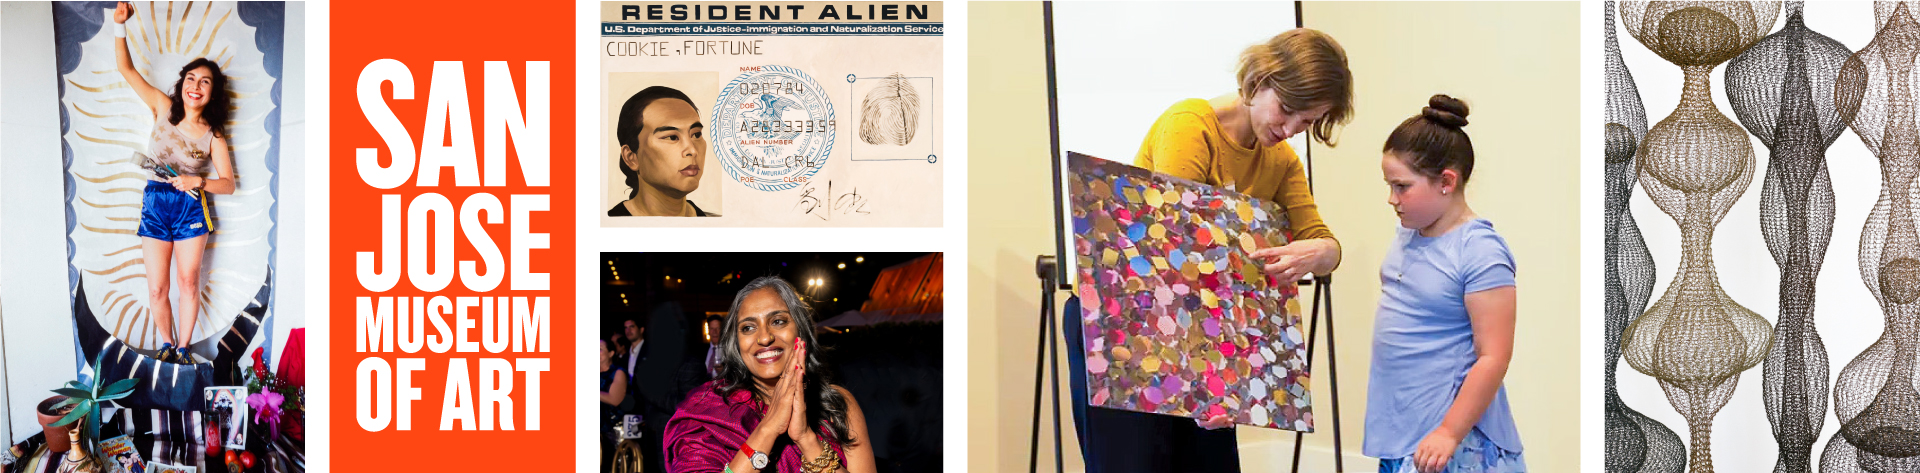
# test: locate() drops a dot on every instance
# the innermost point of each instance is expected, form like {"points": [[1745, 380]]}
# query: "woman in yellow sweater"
{"points": [[1295, 82]]}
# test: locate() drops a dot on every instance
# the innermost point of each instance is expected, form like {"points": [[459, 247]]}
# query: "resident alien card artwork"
{"points": [[784, 114]]}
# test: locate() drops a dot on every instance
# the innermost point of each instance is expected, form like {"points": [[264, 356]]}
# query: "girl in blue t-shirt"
{"points": [[1443, 335]]}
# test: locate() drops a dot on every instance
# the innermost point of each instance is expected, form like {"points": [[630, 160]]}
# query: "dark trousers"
{"points": [[607, 444], [1113, 440], [650, 442]]}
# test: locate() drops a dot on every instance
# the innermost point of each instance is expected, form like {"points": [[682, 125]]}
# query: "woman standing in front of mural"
{"points": [[187, 158]]}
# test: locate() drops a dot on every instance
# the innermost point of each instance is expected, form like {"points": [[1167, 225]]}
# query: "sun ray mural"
{"points": [[106, 123]]}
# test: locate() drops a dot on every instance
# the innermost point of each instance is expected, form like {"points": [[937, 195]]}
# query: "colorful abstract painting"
{"points": [[1178, 318]]}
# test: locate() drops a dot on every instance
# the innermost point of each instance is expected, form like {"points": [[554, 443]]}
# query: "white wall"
{"points": [[36, 324], [38, 328], [1120, 64], [6, 421], [290, 275]]}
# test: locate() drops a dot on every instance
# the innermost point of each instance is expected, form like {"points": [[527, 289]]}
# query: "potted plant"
{"points": [[85, 398], [56, 436]]}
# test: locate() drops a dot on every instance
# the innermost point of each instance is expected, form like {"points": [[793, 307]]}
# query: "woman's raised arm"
{"points": [[154, 98]]}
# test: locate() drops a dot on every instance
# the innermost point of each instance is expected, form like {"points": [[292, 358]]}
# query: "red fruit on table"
{"points": [[246, 461], [232, 457]]}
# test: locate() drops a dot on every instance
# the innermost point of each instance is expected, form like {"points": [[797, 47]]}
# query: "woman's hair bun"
{"points": [[1446, 110]]}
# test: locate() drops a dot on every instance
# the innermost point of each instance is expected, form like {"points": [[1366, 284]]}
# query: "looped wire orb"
{"points": [[1690, 33]]}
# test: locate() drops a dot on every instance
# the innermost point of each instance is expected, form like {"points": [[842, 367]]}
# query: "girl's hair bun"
{"points": [[1446, 110], [1433, 142]]}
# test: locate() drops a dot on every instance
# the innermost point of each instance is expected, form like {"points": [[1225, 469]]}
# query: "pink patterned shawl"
{"points": [[708, 430]]}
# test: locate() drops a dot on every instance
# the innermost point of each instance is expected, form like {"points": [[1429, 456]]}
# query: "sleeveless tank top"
{"points": [[187, 155]]}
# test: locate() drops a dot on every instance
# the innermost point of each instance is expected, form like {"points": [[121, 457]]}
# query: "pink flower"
{"points": [[266, 410]]}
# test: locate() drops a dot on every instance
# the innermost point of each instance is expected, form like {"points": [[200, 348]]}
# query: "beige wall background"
{"points": [[1516, 65]]}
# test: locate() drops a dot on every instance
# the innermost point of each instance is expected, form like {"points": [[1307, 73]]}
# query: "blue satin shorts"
{"points": [[170, 214]]}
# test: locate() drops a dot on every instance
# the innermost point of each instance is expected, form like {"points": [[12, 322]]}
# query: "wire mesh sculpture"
{"points": [[1875, 398], [1782, 90], [1694, 164], [1635, 443]]}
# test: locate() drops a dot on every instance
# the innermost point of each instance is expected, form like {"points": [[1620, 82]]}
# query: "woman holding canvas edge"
{"points": [[1297, 81]]}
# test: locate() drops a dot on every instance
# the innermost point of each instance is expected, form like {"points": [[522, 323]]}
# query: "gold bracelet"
{"points": [[827, 462]]}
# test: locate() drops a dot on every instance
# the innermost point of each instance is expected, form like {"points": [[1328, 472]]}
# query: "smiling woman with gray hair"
{"points": [[773, 407]]}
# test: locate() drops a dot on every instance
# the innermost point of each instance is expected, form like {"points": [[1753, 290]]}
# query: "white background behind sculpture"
{"points": [[1845, 314]]}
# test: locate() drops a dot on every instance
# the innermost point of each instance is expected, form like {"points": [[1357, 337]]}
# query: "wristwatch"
{"points": [[759, 459]]}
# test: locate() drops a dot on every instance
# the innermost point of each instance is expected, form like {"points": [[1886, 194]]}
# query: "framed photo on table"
{"points": [[227, 408]]}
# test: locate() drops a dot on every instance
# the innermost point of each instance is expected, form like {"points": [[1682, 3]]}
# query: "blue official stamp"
{"points": [[773, 128]]}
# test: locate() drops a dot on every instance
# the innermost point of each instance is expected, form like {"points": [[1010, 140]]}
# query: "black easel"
{"points": [[1044, 267], [1323, 296], [1051, 274]]}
